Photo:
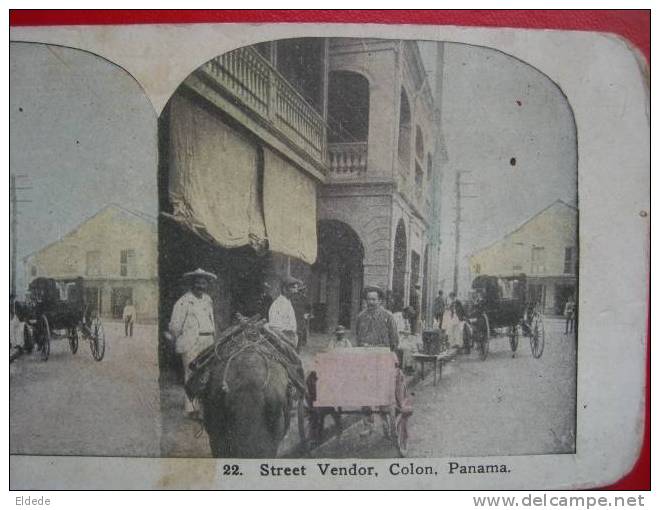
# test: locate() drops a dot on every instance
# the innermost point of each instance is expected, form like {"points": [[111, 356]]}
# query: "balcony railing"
{"points": [[347, 160], [252, 80]]}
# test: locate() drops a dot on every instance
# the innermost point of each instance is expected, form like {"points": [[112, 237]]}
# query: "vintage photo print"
{"points": [[326, 256]]}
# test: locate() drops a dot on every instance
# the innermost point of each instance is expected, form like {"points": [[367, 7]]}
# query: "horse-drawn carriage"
{"points": [[56, 309], [358, 381], [499, 305]]}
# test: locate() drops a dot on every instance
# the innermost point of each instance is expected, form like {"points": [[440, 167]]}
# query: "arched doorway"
{"points": [[336, 277], [399, 269]]}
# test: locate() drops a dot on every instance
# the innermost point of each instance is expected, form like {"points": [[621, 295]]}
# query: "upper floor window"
{"points": [[569, 260], [127, 263], [404, 131], [93, 263], [348, 107]]}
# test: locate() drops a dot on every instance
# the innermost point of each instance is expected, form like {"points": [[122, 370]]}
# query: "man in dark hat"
{"points": [[281, 314], [375, 326], [192, 324]]}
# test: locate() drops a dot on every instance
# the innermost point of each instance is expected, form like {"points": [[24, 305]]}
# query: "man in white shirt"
{"points": [[128, 317], [192, 323], [281, 315]]}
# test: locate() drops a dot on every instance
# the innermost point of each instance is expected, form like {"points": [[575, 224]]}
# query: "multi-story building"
{"points": [[115, 252], [545, 248], [303, 156]]}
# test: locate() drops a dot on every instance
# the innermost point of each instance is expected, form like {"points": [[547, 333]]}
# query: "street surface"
{"points": [[73, 405], [500, 406]]}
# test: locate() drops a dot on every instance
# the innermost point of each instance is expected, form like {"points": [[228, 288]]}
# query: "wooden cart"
{"points": [[358, 381]]}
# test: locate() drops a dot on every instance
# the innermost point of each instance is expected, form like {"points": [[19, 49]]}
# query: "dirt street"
{"points": [[500, 406], [73, 405]]}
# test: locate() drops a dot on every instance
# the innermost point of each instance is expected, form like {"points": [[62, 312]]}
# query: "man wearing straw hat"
{"points": [[192, 323]]}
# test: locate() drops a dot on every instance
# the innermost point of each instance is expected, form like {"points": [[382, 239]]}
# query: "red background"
{"points": [[634, 25]]}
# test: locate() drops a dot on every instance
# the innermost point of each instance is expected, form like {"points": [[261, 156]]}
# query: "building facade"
{"points": [[545, 248], [375, 207], [309, 157], [115, 253]]}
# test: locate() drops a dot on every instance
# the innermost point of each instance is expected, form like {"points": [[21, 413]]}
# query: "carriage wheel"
{"points": [[513, 337], [97, 339], [467, 338], [484, 336], [28, 339], [537, 339], [73, 339], [44, 338]]}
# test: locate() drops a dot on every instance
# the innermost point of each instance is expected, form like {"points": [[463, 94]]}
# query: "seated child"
{"points": [[339, 341]]}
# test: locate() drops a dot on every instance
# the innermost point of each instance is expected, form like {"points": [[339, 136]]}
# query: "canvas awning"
{"points": [[213, 177], [213, 187], [290, 205]]}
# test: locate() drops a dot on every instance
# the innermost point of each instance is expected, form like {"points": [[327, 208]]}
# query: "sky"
{"points": [[84, 135], [495, 108]]}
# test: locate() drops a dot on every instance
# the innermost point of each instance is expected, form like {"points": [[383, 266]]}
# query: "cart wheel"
{"points": [[44, 338], [402, 434], [388, 417], [537, 338], [513, 337], [97, 339], [304, 427], [73, 339]]}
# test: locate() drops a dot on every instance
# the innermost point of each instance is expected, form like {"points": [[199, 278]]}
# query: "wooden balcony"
{"points": [[255, 84], [347, 160]]}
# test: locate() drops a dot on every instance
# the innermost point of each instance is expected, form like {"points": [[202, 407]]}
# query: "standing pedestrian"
{"points": [[439, 308], [454, 320], [569, 315], [375, 327], [193, 325], [128, 316], [281, 315]]}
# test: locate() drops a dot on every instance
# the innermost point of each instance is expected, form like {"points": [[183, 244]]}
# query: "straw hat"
{"points": [[200, 273]]}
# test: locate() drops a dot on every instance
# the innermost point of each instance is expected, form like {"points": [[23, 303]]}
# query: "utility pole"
{"points": [[438, 164], [13, 234], [457, 222]]}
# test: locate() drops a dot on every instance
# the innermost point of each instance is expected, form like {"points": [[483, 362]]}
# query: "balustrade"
{"points": [[347, 159], [251, 79]]}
